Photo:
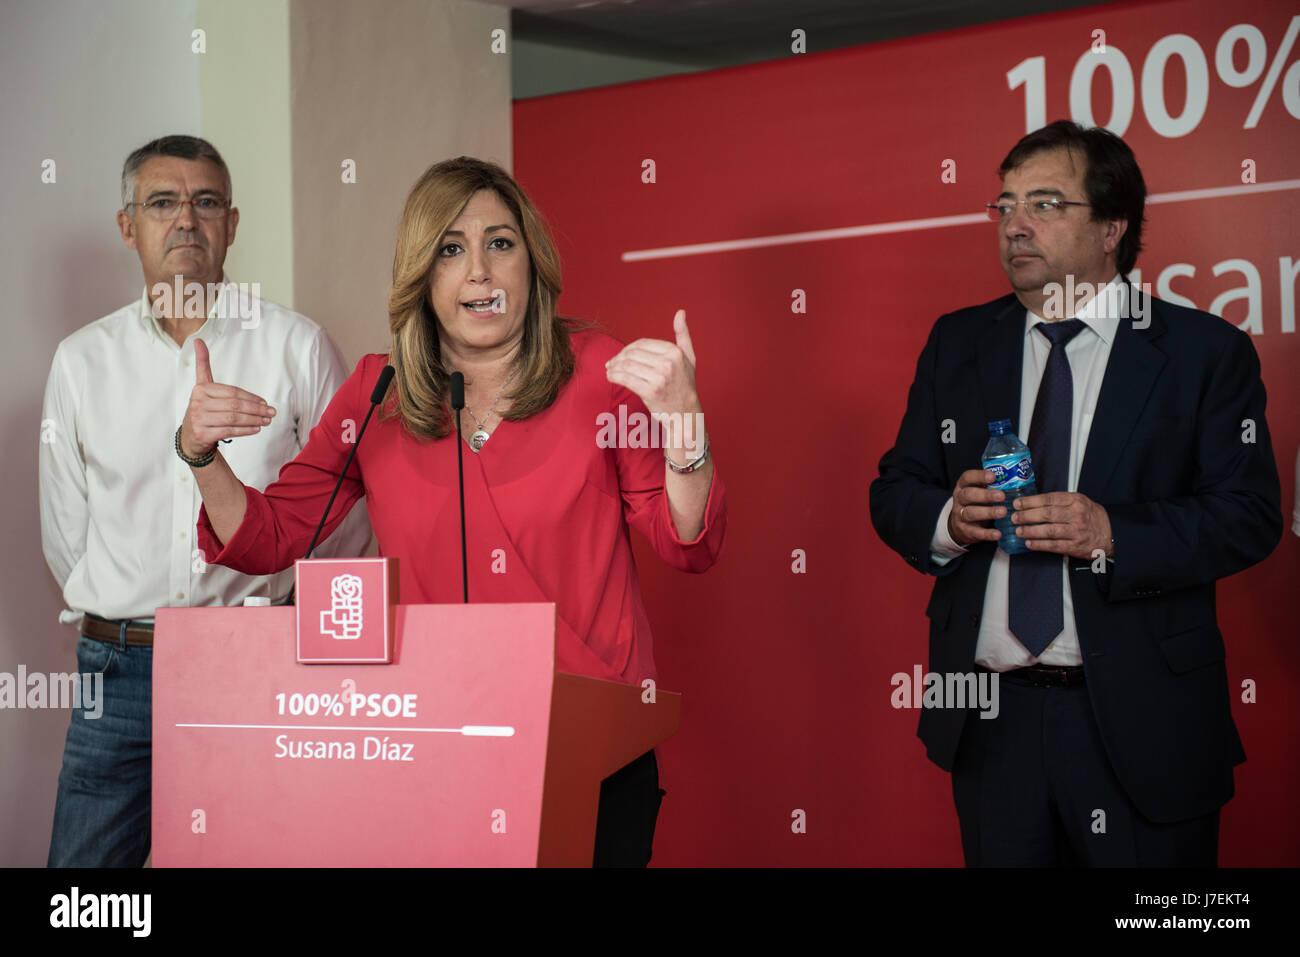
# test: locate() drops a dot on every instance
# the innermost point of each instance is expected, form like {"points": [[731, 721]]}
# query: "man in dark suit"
{"points": [[1113, 743]]}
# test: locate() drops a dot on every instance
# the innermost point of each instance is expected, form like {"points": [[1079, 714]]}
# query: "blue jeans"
{"points": [[101, 815]]}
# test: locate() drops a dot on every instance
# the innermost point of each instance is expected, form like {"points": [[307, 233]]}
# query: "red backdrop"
{"points": [[787, 675]]}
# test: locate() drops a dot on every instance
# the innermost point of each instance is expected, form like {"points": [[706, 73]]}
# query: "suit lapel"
{"points": [[1000, 354], [1131, 371]]}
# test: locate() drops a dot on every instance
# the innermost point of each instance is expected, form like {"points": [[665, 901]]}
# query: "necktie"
{"points": [[1036, 613]]}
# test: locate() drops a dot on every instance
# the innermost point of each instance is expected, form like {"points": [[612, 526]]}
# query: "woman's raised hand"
{"points": [[661, 373], [218, 411]]}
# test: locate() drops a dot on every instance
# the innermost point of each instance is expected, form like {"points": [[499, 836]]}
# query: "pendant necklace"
{"points": [[480, 434]]}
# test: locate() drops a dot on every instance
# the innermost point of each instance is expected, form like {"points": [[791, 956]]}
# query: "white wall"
{"points": [[244, 102], [394, 87], [287, 86], [85, 82]]}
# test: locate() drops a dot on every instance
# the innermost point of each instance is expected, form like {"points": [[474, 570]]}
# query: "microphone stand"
{"points": [[458, 403], [376, 397]]}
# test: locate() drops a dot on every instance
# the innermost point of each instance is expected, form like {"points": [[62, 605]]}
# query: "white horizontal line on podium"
{"points": [[470, 730]]}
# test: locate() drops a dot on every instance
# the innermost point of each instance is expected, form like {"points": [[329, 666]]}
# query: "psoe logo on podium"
{"points": [[345, 610]]}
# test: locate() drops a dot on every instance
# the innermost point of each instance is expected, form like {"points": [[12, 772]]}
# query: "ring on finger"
{"points": [[961, 516]]}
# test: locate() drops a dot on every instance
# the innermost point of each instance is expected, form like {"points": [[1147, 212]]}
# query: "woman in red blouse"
{"points": [[550, 485]]}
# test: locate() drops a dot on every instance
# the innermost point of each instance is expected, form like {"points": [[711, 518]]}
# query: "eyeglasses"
{"points": [[166, 208], [1040, 210]]}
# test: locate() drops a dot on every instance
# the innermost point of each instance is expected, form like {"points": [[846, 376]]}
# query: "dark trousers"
{"points": [[629, 808], [1033, 788]]}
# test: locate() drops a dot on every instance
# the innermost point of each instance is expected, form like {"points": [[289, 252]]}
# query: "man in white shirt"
{"points": [[119, 508], [1113, 742]]}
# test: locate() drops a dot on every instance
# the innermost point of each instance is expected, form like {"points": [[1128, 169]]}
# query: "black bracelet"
{"points": [[193, 463]]}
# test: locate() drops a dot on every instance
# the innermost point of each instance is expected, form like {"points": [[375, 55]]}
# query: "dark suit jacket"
{"points": [[1189, 502]]}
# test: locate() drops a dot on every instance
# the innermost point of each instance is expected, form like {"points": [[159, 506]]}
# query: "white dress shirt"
{"points": [[1088, 352], [1295, 510], [118, 507]]}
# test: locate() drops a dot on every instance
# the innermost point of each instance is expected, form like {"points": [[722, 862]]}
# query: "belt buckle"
{"points": [[1060, 677]]}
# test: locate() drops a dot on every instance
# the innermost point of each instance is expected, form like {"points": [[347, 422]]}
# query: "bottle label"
{"points": [[1010, 471]]}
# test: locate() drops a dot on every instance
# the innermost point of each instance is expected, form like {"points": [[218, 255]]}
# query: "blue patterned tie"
{"points": [[1036, 613]]}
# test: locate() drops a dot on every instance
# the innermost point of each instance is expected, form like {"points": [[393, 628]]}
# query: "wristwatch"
{"points": [[691, 466]]}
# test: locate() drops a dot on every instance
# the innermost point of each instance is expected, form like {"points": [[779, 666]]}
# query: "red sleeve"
{"points": [[278, 523], [645, 501]]}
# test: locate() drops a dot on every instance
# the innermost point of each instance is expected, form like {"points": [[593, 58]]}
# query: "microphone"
{"points": [[376, 396], [458, 403], [381, 387]]}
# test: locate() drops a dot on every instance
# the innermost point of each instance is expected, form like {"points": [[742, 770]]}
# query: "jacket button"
{"points": [[974, 619]]}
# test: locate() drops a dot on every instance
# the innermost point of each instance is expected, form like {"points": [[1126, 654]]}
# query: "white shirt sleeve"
{"points": [[942, 547], [62, 476], [1295, 512], [323, 375]]}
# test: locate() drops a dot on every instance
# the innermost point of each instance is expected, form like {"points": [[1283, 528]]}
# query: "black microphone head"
{"points": [[385, 377], [457, 390]]}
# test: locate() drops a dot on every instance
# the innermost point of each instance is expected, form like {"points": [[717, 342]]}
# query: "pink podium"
{"points": [[470, 749]]}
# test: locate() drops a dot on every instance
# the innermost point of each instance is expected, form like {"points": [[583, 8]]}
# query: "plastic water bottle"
{"points": [[1013, 475]]}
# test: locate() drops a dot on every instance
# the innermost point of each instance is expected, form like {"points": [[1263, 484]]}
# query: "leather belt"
{"points": [[111, 632], [1046, 676]]}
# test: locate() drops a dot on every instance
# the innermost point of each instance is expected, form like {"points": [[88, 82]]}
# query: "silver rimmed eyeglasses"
{"points": [[1038, 209], [166, 208]]}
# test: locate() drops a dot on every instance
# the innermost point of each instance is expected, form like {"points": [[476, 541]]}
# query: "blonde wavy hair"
{"points": [[422, 381]]}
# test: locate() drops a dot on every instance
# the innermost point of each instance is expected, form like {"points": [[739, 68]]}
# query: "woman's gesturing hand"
{"points": [[218, 411], [661, 373]]}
